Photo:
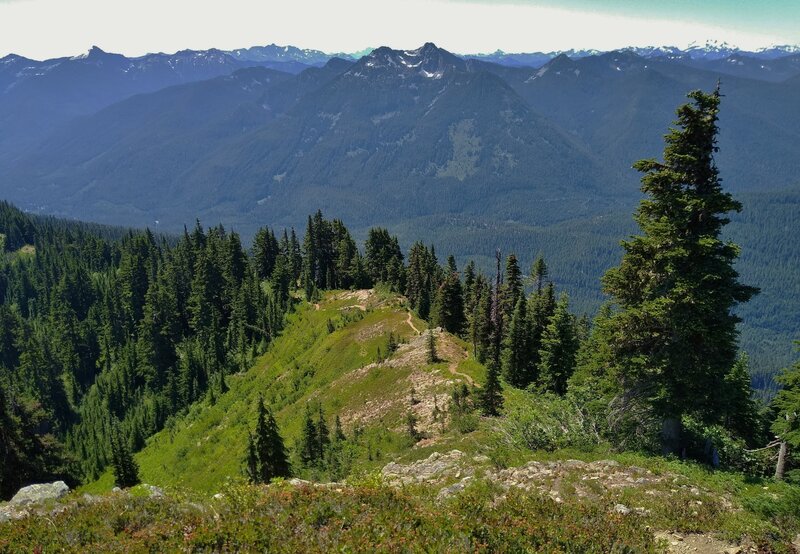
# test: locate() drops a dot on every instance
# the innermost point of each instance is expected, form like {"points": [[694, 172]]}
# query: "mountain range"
{"points": [[461, 151]]}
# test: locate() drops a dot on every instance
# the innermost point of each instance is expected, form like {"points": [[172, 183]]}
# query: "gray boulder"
{"points": [[36, 494], [155, 492], [454, 489], [622, 509]]}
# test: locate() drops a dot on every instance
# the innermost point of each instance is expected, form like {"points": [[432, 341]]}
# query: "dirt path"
{"points": [[452, 369], [411, 324]]}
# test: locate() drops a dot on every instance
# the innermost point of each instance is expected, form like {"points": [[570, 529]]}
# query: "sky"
{"points": [[50, 28]]}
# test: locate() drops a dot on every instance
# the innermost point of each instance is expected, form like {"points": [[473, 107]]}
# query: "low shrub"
{"points": [[549, 422], [370, 518]]}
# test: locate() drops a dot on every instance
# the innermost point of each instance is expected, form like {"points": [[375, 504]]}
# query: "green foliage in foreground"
{"points": [[367, 516], [308, 519]]}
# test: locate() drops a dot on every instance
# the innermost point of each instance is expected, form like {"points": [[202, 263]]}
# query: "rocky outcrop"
{"points": [[453, 471], [36, 494], [436, 468], [28, 498]]}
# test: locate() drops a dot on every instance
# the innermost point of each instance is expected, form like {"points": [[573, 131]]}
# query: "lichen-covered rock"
{"points": [[454, 489], [36, 494], [622, 509], [435, 468]]}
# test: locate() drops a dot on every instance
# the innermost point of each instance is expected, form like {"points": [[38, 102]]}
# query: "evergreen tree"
{"points": [[278, 460], [432, 356], [448, 307], [674, 337], [559, 348], [481, 320], [491, 395], [469, 288], [787, 406], [266, 454], [11, 455], [411, 427], [593, 360], [497, 327], [252, 460], [381, 251], [512, 289], [126, 470], [262, 444], [539, 275], [541, 307], [335, 459], [740, 411], [309, 441], [265, 252], [420, 278], [516, 350], [323, 435], [338, 432], [295, 258]]}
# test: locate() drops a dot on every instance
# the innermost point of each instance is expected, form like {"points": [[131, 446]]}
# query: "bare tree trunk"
{"points": [[781, 465]]}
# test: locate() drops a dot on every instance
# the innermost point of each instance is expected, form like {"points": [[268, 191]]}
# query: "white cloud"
{"points": [[45, 28]]}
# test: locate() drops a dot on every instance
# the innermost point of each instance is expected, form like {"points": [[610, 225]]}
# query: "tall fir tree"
{"points": [[266, 453], [323, 434], [448, 306], [309, 441], [432, 356], [481, 320], [469, 288], [674, 336], [516, 350], [512, 286], [126, 470], [558, 350], [491, 396], [541, 307], [539, 275]]}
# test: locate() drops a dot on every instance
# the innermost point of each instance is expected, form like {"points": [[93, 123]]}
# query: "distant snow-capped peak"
{"points": [[427, 61]]}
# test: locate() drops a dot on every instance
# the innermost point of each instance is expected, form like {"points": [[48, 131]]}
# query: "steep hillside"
{"points": [[310, 365]]}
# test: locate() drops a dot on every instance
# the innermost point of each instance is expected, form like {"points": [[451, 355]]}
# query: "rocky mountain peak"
{"points": [[428, 61]]}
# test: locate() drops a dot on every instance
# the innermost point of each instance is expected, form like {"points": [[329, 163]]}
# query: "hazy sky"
{"points": [[49, 28]]}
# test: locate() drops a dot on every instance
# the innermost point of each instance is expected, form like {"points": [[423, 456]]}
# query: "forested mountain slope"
{"points": [[37, 97]]}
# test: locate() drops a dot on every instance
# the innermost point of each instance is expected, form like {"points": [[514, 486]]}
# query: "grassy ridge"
{"points": [[306, 364]]}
